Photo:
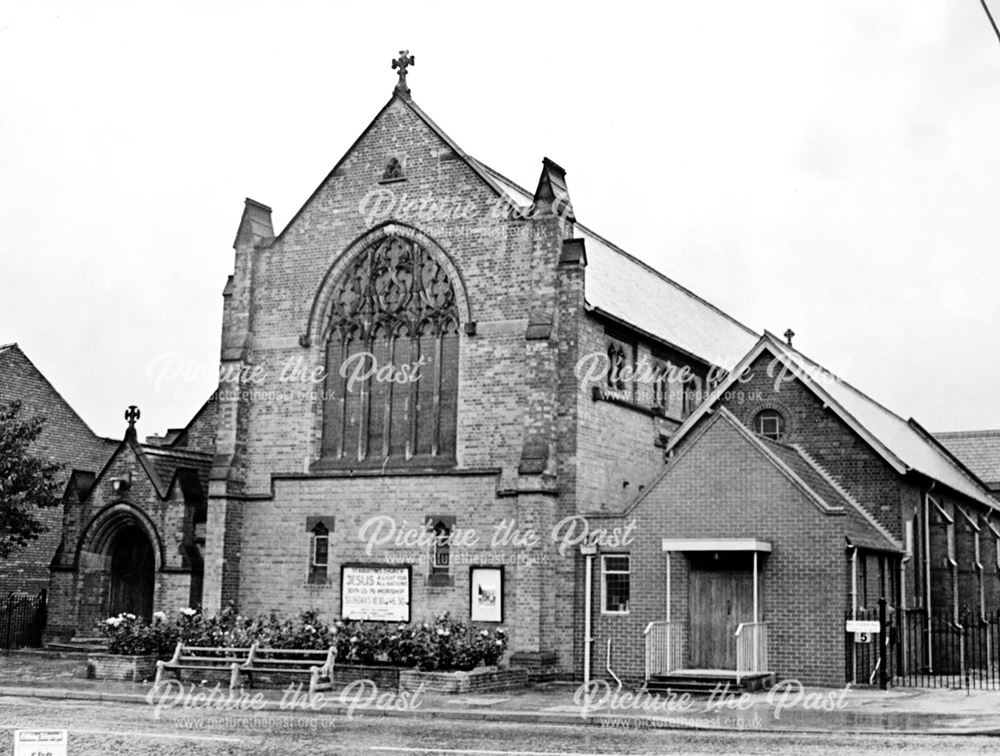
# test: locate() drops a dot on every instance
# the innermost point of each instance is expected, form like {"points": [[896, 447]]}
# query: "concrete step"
{"points": [[78, 646], [705, 683]]}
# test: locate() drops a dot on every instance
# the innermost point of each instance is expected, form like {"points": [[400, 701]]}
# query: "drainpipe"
{"points": [[588, 551], [927, 573], [854, 610], [854, 582]]}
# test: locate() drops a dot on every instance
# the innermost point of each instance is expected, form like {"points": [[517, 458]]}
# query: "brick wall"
{"points": [[837, 448], [722, 487], [504, 273], [65, 439], [81, 578]]}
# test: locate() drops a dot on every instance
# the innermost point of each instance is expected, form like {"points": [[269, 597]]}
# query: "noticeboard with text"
{"points": [[379, 593]]}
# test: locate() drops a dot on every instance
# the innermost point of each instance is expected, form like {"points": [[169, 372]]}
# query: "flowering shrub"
{"points": [[443, 644], [127, 634]]}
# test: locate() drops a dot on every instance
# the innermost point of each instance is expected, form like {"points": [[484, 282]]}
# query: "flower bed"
{"points": [[384, 676], [369, 648]]}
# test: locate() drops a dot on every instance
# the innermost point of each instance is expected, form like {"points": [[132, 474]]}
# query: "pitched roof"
{"points": [[902, 443], [168, 463], [627, 289], [165, 467], [978, 450], [66, 436], [860, 528]]}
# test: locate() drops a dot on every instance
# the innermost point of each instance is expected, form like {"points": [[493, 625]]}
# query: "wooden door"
{"points": [[133, 568], [720, 597]]}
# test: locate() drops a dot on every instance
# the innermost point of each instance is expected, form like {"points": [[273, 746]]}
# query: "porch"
{"points": [[723, 639]]}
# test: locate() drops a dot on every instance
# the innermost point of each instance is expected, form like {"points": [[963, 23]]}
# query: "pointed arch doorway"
{"points": [[133, 570]]}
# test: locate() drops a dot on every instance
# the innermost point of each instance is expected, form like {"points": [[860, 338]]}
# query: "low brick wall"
{"points": [[121, 667], [384, 677], [479, 680]]}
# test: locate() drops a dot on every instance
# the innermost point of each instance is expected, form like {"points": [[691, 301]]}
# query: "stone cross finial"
{"points": [[132, 414], [789, 335], [401, 63]]}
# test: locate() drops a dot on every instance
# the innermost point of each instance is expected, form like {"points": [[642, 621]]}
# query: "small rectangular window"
{"points": [[321, 551], [319, 547], [692, 394], [616, 584], [442, 528]]}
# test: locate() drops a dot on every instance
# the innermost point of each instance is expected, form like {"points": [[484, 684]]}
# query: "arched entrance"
{"points": [[133, 568]]}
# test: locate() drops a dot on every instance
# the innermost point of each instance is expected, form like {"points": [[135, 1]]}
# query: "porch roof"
{"points": [[716, 544]]}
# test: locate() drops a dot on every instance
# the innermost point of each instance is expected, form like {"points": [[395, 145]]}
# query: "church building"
{"points": [[442, 392]]}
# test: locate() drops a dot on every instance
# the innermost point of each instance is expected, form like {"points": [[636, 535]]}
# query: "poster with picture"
{"points": [[486, 594]]}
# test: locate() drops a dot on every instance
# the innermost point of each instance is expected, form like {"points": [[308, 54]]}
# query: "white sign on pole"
{"points": [[864, 626], [39, 742], [374, 592]]}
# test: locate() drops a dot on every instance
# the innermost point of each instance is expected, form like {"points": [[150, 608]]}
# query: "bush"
{"points": [[444, 644], [127, 634]]}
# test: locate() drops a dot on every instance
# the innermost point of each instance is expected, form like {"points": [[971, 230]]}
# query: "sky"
{"points": [[829, 166]]}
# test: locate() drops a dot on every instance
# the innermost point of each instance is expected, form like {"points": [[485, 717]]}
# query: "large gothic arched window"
{"points": [[391, 360]]}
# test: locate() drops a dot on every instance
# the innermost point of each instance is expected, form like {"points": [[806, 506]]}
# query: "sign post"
{"points": [[883, 646]]}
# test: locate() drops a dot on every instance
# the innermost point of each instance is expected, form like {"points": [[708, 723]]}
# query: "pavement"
{"points": [[786, 708]]}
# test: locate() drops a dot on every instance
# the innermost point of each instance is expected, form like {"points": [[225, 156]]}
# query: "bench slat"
{"points": [[291, 651], [180, 667]]}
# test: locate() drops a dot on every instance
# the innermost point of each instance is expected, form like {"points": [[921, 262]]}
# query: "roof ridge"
{"points": [[170, 451], [56, 391], [966, 434], [911, 424], [836, 377]]}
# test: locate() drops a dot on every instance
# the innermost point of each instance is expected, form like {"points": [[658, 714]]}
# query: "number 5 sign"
{"points": [[39, 742]]}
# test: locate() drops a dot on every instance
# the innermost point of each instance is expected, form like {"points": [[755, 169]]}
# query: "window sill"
{"points": [[378, 465], [440, 581]]}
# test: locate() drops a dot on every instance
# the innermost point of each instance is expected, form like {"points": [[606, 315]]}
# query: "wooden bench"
{"points": [[317, 663], [206, 659]]}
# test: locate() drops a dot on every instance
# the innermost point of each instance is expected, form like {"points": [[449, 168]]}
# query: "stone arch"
{"points": [[323, 300], [100, 533], [389, 340]]}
